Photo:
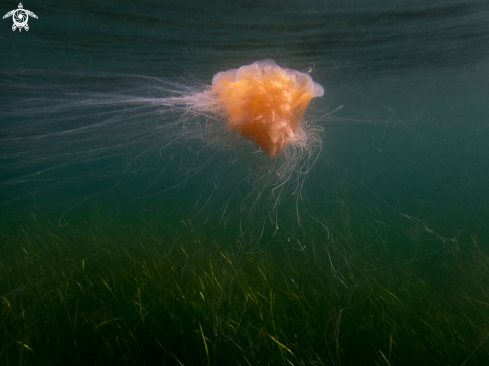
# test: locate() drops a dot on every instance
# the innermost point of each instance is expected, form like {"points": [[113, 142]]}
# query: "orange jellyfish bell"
{"points": [[265, 103]]}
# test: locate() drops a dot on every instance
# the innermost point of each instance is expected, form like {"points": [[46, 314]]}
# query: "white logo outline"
{"points": [[20, 17]]}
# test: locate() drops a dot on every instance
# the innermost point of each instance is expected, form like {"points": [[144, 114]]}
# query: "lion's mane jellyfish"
{"points": [[133, 125], [265, 103]]}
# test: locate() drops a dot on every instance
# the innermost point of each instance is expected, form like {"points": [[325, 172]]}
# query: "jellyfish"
{"points": [[247, 126]]}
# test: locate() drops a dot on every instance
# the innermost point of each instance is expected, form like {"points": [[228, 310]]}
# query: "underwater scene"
{"points": [[244, 182]]}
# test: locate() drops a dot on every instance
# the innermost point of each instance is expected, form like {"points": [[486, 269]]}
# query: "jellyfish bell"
{"points": [[265, 103]]}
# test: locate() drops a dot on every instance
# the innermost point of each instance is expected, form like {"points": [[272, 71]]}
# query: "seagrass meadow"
{"points": [[137, 296], [137, 229]]}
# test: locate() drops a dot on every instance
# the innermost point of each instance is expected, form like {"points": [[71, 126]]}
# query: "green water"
{"points": [[124, 241]]}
